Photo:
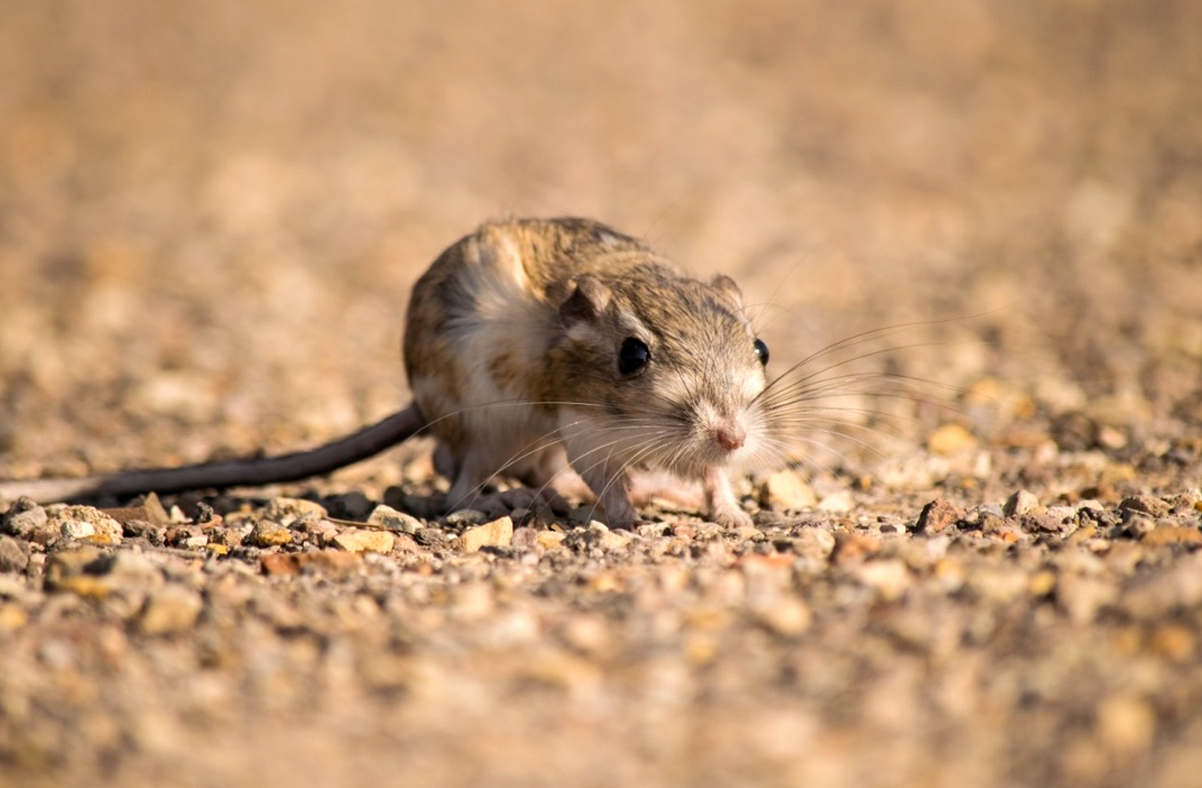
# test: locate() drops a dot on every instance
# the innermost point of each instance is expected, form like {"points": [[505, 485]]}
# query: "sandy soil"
{"points": [[209, 221]]}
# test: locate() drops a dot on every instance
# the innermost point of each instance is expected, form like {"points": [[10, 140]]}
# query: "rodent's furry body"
{"points": [[534, 345], [512, 348]]}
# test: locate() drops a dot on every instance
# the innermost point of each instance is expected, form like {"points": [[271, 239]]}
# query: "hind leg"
{"points": [[477, 467], [445, 463], [611, 486], [472, 472], [550, 471]]}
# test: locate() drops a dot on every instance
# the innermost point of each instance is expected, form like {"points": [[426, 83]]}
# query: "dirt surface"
{"points": [[210, 216]]}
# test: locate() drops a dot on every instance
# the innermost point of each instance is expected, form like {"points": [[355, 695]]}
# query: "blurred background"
{"points": [[210, 214]]}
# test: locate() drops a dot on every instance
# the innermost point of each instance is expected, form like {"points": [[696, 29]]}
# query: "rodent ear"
{"points": [[587, 302], [725, 285]]}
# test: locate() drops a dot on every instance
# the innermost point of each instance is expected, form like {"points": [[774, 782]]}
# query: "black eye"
{"points": [[633, 356], [761, 351]]}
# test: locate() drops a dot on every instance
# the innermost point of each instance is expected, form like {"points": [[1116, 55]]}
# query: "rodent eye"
{"points": [[761, 351], [633, 356]]}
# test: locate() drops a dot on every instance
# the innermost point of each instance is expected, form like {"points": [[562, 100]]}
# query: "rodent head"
{"points": [[669, 369]]}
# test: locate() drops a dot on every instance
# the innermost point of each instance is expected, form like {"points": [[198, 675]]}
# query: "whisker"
{"points": [[883, 378], [788, 377], [883, 332], [622, 471], [547, 440]]}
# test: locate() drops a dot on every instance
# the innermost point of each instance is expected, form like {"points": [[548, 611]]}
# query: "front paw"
{"points": [[732, 517]]}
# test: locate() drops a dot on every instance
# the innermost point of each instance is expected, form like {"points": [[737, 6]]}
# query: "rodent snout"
{"points": [[730, 436]]}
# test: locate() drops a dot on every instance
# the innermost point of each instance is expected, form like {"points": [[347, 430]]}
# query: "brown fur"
{"points": [[512, 339]]}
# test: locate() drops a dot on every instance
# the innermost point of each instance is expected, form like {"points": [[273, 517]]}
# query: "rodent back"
{"points": [[507, 278]]}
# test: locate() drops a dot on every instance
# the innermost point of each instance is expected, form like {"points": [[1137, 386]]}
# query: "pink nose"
{"points": [[730, 438]]}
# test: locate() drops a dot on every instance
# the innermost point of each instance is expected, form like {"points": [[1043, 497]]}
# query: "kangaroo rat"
{"points": [[535, 345]]}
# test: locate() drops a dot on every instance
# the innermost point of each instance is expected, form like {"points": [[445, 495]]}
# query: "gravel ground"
{"points": [[209, 222]]}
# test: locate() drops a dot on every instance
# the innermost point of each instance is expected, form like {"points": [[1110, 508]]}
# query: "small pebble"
{"points": [[404, 543], [939, 515], [84, 522], [602, 535], [431, 537], [14, 554], [77, 529], [365, 540], [1020, 503], [498, 533], [550, 539], [287, 511], [787, 490], [1145, 504], [1041, 522], [24, 518], [393, 520], [269, 533]]}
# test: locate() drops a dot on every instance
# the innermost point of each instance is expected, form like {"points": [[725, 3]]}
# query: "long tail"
{"points": [[365, 443]]}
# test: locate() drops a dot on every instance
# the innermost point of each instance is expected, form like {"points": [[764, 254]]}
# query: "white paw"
{"points": [[732, 517]]}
